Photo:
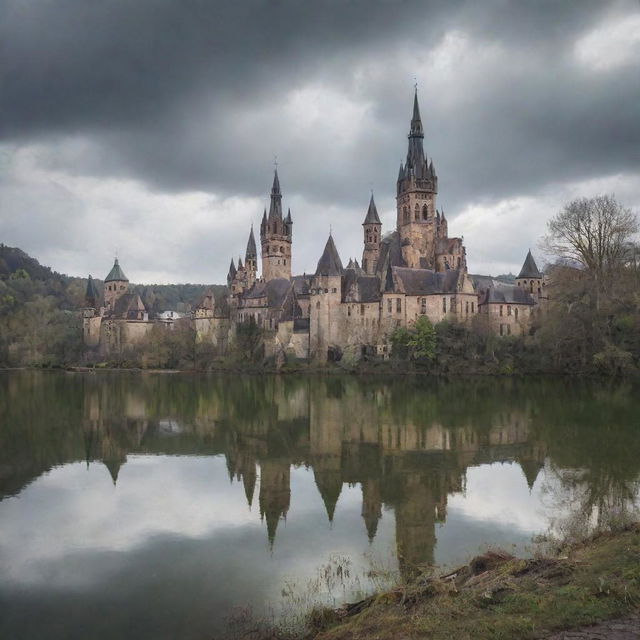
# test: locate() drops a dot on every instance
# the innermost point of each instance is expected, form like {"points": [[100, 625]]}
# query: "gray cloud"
{"points": [[199, 96]]}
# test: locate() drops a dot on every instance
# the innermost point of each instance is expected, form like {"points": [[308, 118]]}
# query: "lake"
{"points": [[139, 505]]}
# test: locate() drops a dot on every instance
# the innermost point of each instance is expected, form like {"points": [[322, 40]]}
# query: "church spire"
{"points": [[252, 251], [275, 210], [416, 121]]}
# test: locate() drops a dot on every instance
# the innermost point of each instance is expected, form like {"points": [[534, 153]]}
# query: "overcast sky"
{"points": [[149, 128]]}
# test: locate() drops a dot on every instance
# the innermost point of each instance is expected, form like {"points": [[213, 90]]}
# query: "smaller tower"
{"points": [[530, 279], [91, 295], [275, 237], [232, 274], [251, 260], [372, 231], [116, 284]]}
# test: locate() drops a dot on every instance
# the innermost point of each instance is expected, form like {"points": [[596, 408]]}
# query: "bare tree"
{"points": [[596, 234]]}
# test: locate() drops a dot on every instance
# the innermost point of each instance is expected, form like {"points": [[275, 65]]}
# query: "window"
{"points": [[472, 306], [349, 310], [508, 309], [361, 309], [423, 306], [516, 312], [389, 303], [284, 261], [334, 290], [398, 305], [501, 313], [466, 308], [405, 214], [508, 329], [444, 305], [501, 329], [417, 212], [425, 212]]}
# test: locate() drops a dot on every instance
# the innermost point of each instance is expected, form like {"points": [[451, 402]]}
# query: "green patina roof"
{"points": [[116, 273]]}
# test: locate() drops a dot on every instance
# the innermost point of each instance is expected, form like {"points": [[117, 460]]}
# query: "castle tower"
{"points": [[116, 284], [251, 260], [324, 307], [416, 200], [275, 237], [531, 279], [372, 231], [275, 493]]}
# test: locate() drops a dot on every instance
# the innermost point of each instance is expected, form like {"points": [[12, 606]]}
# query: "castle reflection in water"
{"points": [[407, 443]]}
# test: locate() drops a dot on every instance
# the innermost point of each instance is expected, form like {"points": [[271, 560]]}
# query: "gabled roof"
{"points": [[529, 268], [360, 288], [116, 273], [372, 216], [417, 282], [127, 306], [329, 263]]}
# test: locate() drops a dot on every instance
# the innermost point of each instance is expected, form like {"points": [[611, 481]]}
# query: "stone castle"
{"points": [[415, 270]]}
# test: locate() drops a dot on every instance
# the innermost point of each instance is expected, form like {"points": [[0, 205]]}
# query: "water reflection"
{"points": [[406, 445]]}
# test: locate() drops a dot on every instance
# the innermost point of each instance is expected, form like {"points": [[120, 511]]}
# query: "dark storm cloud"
{"points": [[160, 86], [200, 95]]}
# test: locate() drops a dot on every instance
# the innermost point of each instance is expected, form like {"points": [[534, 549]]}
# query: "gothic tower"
{"points": [[116, 284], [416, 200], [251, 260], [372, 231], [275, 237]]}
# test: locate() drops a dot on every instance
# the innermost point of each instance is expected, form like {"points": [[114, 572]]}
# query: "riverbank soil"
{"points": [[497, 596]]}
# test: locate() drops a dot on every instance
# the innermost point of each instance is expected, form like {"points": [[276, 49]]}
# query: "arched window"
{"points": [[425, 212], [417, 212], [405, 214], [515, 313]]}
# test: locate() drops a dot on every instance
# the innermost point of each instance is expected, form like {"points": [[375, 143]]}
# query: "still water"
{"points": [[154, 506]]}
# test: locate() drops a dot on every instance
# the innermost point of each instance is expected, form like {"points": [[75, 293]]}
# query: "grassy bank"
{"points": [[497, 596]]}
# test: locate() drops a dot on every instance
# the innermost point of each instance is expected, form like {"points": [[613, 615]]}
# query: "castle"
{"points": [[416, 270]]}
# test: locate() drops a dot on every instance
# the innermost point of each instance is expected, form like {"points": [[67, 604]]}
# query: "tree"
{"points": [[423, 339], [594, 234]]}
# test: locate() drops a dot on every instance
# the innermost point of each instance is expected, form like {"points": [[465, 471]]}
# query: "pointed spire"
{"points": [[329, 263], [275, 208], [232, 270], [91, 295], [329, 483], [529, 268], [416, 121], [252, 251], [372, 216], [401, 173], [275, 189], [240, 267], [289, 219]]}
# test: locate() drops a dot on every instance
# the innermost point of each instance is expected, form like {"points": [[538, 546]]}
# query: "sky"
{"points": [[150, 129]]}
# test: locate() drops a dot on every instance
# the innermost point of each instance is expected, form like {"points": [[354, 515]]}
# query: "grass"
{"points": [[498, 597]]}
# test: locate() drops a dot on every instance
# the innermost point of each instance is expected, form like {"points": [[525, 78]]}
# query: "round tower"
{"points": [[116, 284], [372, 228]]}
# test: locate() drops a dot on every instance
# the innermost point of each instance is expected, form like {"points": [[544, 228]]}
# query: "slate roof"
{"points": [[360, 288], [329, 263], [390, 253], [127, 306], [529, 268], [372, 216], [275, 291], [417, 282], [92, 290], [501, 293], [116, 273], [252, 252], [301, 285]]}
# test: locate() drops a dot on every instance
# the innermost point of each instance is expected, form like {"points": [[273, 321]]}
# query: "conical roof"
{"points": [[252, 251], [372, 216], [529, 268], [329, 263], [92, 291], [116, 273]]}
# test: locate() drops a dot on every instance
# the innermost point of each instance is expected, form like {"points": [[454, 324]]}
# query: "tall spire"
{"points": [[416, 121], [275, 209], [252, 251], [372, 216]]}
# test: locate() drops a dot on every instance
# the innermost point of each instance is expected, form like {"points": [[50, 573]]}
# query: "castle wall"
{"points": [[508, 319], [214, 331], [91, 330]]}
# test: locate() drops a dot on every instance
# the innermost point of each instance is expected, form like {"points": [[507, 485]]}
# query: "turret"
{"points": [[91, 295], [531, 279], [232, 273], [251, 260], [116, 284], [275, 237], [372, 228]]}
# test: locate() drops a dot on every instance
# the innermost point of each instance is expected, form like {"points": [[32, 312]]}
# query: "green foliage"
{"points": [[422, 340], [249, 341]]}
